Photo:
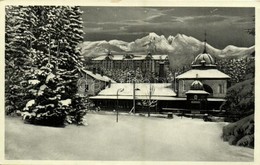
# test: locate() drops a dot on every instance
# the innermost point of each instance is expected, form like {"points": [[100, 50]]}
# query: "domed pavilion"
{"points": [[204, 70]]}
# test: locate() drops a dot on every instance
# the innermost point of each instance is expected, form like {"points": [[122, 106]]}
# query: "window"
{"points": [[220, 88], [183, 85], [86, 88]]}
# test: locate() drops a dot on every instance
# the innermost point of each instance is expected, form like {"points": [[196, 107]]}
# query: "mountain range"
{"points": [[181, 49]]}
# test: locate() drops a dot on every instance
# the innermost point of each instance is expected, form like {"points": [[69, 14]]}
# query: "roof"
{"points": [[98, 76], [200, 73], [136, 97], [197, 92], [196, 85], [202, 60], [142, 89], [135, 57], [216, 99], [152, 98]]}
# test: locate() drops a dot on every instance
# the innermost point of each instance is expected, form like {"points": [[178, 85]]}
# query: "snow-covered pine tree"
{"points": [[74, 37], [44, 98], [54, 98], [18, 38]]}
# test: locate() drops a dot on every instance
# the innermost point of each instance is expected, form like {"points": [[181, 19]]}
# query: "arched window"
{"points": [[208, 89]]}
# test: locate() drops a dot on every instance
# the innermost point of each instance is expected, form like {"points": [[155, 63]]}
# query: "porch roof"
{"points": [[146, 98]]}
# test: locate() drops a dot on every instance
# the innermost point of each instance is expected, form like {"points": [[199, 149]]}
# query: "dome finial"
{"points": [[205, 42]]}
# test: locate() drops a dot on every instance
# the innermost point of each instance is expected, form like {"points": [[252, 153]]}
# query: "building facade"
{"points": [[91, 83], [147, 63]]}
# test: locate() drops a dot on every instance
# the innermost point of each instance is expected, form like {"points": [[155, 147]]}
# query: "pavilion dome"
{"points": [[204, 60], [196, 85], [196, 88]]}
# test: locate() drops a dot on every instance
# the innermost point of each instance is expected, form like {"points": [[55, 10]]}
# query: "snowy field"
{"points": [[132, 138]]}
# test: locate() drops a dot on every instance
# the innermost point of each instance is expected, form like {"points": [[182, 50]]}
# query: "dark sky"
{"points": [[224, 26]]}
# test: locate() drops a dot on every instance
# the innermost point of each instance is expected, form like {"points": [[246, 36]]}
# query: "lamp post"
{"points": [[119, 90]]}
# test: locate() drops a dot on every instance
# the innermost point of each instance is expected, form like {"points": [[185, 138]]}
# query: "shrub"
{"points": [[240, 133]]}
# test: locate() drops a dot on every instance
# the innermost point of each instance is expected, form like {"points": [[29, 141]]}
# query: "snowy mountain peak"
{"points": [[181, 36], [170, 39], [178, 35], [179, 46], [153, 35]]}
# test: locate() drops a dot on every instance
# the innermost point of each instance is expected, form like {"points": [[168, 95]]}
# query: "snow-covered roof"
{"points": [[141, 89], [137, 97], [216, 99], [135, 57], [152, 98], [99, 77], [197, 92], [203, 73], [160, 57]]}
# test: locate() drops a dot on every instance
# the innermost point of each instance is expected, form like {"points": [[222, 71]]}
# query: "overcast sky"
{"points": [[224, 26]]}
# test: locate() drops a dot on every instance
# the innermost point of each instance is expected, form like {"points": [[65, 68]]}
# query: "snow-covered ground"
{"points": [[132, 138]]}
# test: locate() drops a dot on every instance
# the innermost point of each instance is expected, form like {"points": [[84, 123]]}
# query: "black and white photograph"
{"points": [[129, 83]]}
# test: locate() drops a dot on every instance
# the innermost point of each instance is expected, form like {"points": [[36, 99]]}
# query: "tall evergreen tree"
{"points": [[18, 38], [54, 66]]}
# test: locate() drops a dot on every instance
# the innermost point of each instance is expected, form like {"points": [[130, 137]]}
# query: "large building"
{"points": [[201, 89], [155, 64]]}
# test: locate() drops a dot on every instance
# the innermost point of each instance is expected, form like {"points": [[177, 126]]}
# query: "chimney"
{"points": [[109, 83], [94, 70], [102, 73]]}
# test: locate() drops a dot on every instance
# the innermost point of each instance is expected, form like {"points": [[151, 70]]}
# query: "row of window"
{"points": [[127, 64]]}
